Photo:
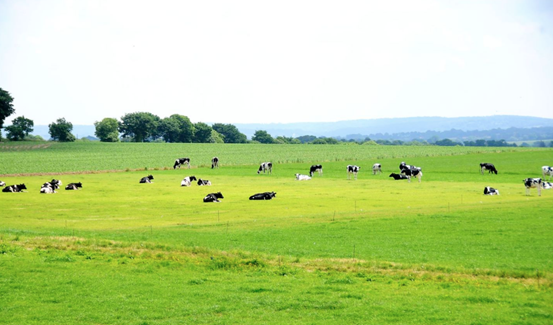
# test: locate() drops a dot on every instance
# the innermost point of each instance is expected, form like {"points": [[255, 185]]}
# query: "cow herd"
{"points": [[45, 188]]}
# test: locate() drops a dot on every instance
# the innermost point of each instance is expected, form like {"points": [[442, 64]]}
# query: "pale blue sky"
{"points": [[280, 61]]}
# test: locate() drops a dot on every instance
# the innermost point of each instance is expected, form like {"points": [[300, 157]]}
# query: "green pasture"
{"points": [[328, 250]]}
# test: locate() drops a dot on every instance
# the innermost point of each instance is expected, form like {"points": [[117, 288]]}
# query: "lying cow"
{"points": [[315, 168], [214, 162], [181, 161], [147, 179], [263, 196], [187, 181], [203, 182], [489, 167], [265, 166], [48, 188], [546, 185], [377, 169], [490, 191], [2, 184], [14, 188], [352, 169], [533, 183], [74, 186], [398, 176], [412, 172], [213, 197], [300, 177], [547, 171]]}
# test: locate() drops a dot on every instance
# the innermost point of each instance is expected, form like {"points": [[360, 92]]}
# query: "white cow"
{"points": [[377, 168], [533, 183], [300, 177], [2, 184], [547, 171], [547, 185], [187, 181]]}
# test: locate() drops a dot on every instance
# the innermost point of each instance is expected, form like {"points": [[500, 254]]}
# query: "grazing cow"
{"points": [[213, 197], [147, 179], [533, 183], [352, 169], [263, 196], [202, 182], [398, 176], [265, 166], [74, 186], [214, 162], [377, 168], [547, 171], [181, 161], [187, 181], [489, 167], [2, 184], [316, 168], [300, 177], [490, 191], [547, 185], [14, 188], [412, 172]]}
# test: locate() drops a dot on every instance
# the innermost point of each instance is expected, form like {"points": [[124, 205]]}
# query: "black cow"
{"points": [[489, 167], [202, 182], [214, 162], [74, 186], [316, 168], [413, 171], [213, 197], [490, 191], [263, 196], [14, 188], [352, 169], [265, 166], [181, 161], [187, 181], [533, 183], [398, 176], [147, 179]]}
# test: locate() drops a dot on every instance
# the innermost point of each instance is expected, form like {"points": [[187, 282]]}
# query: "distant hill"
{"points": [[377, 128]]}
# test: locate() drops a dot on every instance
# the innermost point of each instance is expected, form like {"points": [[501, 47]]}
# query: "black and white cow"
{"points": [[377, 169], [489, 167], [398, 176], [181, 161], [147, 179], [203, 182], [48, 188], [533, 183], [547, 185], [300, 177], [547, 171], [265, 166], [74, 186], [352, 169], [14, 188], [214, 162], [490, 191], [315, 168], [412, 172], [263, 196], [2, 184], [187, 181], [213, 197]]}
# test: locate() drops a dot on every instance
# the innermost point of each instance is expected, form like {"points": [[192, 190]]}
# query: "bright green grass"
{"points": [[329, 250]]}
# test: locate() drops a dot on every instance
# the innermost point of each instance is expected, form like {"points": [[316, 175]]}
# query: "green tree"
{"points": [[6, 107], [139, 126], [61, 130], [306, 138], [230, 133], [106, 130], [202, 133], [262, 137], [20, 128], [216, 137], [177, 128]]}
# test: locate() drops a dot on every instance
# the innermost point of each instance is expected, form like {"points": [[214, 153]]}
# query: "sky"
{"points": [[276, 61]]}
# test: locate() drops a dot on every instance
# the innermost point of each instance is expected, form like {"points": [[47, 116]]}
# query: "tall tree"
{"points": [[177, 128], [202, 132], [139, 126], [6, 107], [20, 128], [107, 130], [230, 133], [263, 137], [61, 130]]}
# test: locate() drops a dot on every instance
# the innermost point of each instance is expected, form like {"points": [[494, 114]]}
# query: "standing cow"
{"points": [[265, 166], [214, 162], [532, 183], [181, 161], [489, 167], [315, 168], [352, 169], [377, 169]]}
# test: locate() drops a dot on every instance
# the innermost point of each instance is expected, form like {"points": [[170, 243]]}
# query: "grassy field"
{"points": [[329, 250]]}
